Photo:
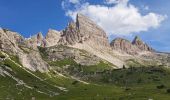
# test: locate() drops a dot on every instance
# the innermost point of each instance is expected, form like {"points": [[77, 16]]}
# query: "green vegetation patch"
{"points": [[43, 53], [134, 63], [46, 89], [100, 67], [24, 49], [64, 62], [1, 55]]}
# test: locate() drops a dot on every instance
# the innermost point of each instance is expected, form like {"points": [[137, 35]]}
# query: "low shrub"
{"points": [[160, 86]]}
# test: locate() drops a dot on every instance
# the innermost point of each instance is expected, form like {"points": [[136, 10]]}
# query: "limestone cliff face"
{"points": [[124, 45], [70, 35], [84, 30], [85, 34], [9, 41], [91, 31], [14, 44], [52, 38], [33, 61], [34, 41], [141, 45], [134, 47]]}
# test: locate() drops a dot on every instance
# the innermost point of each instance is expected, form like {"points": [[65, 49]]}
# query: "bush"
{"points": [[75, 82], [160, 86], [139, 80], [124, 67], [127, 89], [36, 87], [2, 56], [168, 90]]}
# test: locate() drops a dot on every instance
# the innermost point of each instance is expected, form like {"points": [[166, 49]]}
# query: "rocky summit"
{"points": [[134, 47], [123, 45], [79, 63], [83, 34], [84, 30], [141, 45]]}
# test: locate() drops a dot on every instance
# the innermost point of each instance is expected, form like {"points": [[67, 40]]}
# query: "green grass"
{"points": [[11, 91], [15, 58], [43, 53], [134, 63], [100, 67], [105, 83], [110, 90], [78, 68], [61, 63], [134, 83], [1, 55], [24, 49]]}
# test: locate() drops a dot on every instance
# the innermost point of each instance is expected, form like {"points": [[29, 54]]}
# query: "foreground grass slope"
{"points": [[19, 83], [102, 82]]}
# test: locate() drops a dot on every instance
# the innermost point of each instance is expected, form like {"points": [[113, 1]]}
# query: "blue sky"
{"points": [[31, 16]]}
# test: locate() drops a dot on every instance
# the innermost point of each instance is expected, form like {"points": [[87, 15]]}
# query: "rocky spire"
{"points": [[52, 37], [141, 45], [124, 45], [39, 36], [9, 40], [137, 39], [134, 47], [84, 30]]}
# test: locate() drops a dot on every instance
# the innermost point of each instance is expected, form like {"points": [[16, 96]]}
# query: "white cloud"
{"points": [[116, 1], [119, 19], [74, 1]]}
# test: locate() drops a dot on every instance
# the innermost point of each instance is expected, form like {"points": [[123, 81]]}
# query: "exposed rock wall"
{"points": [[52, 38], [135, 47], [141, 45]]}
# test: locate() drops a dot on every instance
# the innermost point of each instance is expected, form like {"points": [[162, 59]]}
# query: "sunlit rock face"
{"points": [[9, 40], [124, 45], [141, 45], [52, 38], [134, 47], [84, 30]]}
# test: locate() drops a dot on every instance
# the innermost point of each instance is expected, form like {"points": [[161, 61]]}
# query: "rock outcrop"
{"points": [[124, 45], [79, 36], [85, 34], [52, 38], [133, 48], [13, 44], [36, 40], [141, 45], [9, 41], [84, 30], [57, 53], [33, 61]]}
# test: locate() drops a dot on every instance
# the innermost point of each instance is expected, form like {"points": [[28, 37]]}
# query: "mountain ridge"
{"points": [[83, 34], [79, 63]]}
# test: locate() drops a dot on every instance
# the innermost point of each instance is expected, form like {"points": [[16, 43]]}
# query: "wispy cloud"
{"points": [[116, 17]]}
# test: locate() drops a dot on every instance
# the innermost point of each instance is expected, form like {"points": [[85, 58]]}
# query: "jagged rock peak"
{"points": [[124, 45], [52, 31], [89, 30], [52, 37], [39, 36], [9, 40], [83, 22], [141, 45], [119, 39], [137, 39], [84, 30]]}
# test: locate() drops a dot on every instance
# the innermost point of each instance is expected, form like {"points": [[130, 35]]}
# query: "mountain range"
{"points": [[79, 54]]}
